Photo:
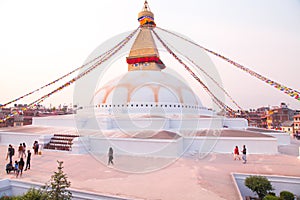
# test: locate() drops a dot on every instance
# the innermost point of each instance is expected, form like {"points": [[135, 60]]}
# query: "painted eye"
{"points": [[146, 64], [136, 64]]}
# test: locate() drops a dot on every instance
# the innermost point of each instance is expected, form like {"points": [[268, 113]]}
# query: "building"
{"points": [[277, 115], [21, 115], [288, 127], [297, 124], [256, 117]]}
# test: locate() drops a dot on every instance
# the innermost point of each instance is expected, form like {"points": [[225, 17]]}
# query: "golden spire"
{"points": [[146, 17], [143, 53]]}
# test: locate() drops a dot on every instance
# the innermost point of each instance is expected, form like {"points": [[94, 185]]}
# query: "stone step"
{"points": [[61, 142]]}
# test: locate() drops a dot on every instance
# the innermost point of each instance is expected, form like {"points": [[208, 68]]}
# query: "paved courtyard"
{"points": [[186, 178]]}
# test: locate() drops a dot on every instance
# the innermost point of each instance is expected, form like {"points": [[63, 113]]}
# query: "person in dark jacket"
{"points": [[110, 156], [244, 157], [28, 160], [9, 167], [21, 166], [36, 147], [10, 153]]}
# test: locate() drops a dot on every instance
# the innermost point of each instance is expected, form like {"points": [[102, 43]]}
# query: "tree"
{"points": [[286, 195], [57, 189], [34, 194], [271, 197], [259, 184]]}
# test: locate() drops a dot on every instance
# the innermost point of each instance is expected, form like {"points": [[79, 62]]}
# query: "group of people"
{"points": [[236, 154], [18, 166]]}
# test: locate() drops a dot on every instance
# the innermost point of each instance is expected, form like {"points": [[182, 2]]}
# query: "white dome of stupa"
{"points": [[147, 92], [146, 86]]}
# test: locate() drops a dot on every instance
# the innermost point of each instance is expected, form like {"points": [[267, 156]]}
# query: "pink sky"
{"points": [[41, 41]]}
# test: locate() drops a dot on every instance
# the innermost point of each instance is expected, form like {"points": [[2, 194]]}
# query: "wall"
{"points": [[13, 187], [237, 123], [93, 121], [57, 120], [137, 147], [15, 139], [227, 144], [282, 138], [140, 123], [196, 123]]}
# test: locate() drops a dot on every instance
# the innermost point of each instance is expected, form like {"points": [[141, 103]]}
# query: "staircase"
{"points": [[62, 142]]}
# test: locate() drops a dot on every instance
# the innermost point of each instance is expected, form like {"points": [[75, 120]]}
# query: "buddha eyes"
{"points": [[144, 64]]}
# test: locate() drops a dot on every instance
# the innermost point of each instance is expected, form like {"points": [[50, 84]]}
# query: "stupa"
{"points": [[149, 112]]}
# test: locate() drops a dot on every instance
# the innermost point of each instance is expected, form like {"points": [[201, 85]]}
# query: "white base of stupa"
{"points": [[176, 138]]}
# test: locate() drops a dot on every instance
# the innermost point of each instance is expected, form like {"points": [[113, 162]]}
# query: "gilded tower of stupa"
{"points": [[144, 54]]}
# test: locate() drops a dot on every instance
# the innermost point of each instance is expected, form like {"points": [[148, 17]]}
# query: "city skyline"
{"points": [[40, 41]]}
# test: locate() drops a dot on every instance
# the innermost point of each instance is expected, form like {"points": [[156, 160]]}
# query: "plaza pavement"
{"points": [[187, 178]]}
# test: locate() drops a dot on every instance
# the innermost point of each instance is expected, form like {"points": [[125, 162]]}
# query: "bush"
{"points": [[271, 197], [34, 194], [259, 184], [272, 193], [5, 198], [286, 195]]}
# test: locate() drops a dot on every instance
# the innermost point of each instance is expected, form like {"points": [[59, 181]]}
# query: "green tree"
{"points": [[259, 184], [34, 194], [59, 184], [271, 197], [286, 195]]}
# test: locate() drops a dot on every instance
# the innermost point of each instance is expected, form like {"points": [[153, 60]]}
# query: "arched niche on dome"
{"points": [[167, 95], [143, 94], [117, 96], [188, 97], [99, 97]]}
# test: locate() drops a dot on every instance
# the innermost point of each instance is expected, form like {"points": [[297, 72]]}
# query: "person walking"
{"points": [[236, 154], [10, 153], [20, 151], [16, 168], [21, 166], [24, 149], [110, 156], [36, 147], [244, 157], [28, 160]]}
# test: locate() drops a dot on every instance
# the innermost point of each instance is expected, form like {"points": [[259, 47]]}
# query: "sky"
{"points": [[43, 40]]}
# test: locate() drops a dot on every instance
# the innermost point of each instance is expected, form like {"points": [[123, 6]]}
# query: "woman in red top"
{"points": [[236, 153]]}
